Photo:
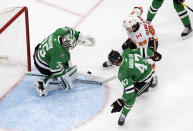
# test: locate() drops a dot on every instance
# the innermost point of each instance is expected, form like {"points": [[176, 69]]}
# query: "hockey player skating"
{"points": [[140, 34], [181, 11], [135, 74], [52, 58]]}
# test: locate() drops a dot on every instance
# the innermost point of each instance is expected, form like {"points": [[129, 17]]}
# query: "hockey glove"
{"points": [[128, 44], [86, 40], [117, 105], [89, 41], [156, 56], [179, 1]]}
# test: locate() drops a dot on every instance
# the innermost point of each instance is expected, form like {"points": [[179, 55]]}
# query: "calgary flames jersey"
{"points": [[145, 32]]}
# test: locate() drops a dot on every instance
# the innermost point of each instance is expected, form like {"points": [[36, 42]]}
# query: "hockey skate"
{"points": [[187, 32], [121, 119], [107, 64], [41, 90]]}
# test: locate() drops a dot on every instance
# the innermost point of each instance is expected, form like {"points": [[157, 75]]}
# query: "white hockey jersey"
{"points": [[145, 32]]}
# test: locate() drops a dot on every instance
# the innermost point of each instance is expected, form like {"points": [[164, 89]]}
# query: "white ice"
{"points": [[166, 108]]}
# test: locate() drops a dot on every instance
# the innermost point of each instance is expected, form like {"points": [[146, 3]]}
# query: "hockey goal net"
{"points": [[14, 37]]}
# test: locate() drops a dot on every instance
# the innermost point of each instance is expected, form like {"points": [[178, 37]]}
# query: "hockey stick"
{"points": [[34, 74], [91, 82], [187, 6], [76, 80], [108, 80], [82, 82]]}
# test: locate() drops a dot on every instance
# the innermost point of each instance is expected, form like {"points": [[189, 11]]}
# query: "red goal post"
{"points": [[14, 36]]}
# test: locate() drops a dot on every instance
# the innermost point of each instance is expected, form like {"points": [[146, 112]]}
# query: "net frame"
{"points": [[10, 21]]}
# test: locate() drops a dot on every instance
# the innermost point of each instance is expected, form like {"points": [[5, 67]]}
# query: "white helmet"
{"points": [[130, 23]]}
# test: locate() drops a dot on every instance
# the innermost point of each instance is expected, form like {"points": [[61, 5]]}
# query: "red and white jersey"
{"points": [[145, 32]]}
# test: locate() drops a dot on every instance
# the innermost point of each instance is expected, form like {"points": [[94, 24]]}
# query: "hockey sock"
{"points": [[182, 13], [156, 4]]}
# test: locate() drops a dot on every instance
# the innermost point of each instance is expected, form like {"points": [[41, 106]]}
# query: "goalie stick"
{"points": [[77, 80]]}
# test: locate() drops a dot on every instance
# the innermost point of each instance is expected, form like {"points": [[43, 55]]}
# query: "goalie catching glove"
{"points": [[86, 40], [117, 105]]}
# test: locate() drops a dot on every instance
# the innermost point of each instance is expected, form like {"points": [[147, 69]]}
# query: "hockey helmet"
{"points": [[130, 23], [69, 42], [114, 57], [137, 11]]}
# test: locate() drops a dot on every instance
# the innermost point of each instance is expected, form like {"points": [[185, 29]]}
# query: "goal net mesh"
{"points": [[13, 39]]}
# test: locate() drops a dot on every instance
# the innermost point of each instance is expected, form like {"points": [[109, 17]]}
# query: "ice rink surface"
{"points": [[168, 107]]}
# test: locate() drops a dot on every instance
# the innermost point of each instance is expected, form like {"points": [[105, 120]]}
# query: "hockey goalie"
{"points": [[52, 59]]}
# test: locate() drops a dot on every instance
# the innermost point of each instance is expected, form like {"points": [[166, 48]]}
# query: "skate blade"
{"points": [[188, 36]]}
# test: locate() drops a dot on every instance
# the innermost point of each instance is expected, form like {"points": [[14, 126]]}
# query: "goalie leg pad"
{"points": [[65, 83], [72, 72]]}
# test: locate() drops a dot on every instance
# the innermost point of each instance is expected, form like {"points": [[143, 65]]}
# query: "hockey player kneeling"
{"points": [[140, 34], [135, 74], [52, 59]]}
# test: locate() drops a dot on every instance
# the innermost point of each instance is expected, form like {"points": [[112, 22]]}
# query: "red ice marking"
{"points": [[60, 8], [88, 13], [83, 17], [100, 111], [1, 98]]}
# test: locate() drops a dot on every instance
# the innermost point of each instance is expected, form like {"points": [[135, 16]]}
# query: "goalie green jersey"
{"points": [[134, 69], [52, 53]]}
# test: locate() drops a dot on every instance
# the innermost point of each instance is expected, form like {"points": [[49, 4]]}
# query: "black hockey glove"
{"points": [[179, 1], [117, 105], [128, 44], [156, 56]]}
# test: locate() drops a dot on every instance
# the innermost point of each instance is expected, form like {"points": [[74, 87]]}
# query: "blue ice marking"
{"points": [[22, 109]]}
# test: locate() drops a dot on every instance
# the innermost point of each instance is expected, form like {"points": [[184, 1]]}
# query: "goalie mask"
{"points": [[115, 58], [69, 42], [131, 24]]}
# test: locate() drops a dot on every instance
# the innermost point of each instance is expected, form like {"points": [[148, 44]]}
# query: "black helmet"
{"points": [[114, 57]]}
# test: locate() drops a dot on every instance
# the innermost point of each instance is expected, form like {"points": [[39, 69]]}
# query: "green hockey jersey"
{"points": [[52, 53], [134, 69]]}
